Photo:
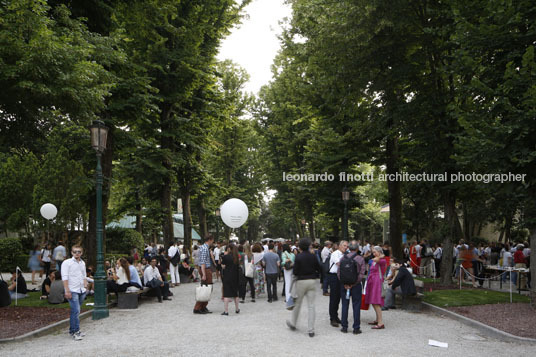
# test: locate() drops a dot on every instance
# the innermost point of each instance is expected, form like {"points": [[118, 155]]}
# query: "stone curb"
{"points": [[46, 330], [488, 330]]}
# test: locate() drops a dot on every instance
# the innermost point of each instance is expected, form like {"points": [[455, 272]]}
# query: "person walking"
{"points": [[174, 257], [306, 270], [247, 257], [374, 286], [287, 260], [325, 257], [73, 274], [46, 255], [230, 269], [259, 273], [351, 273], [205, 264], [34, 263], [59, 253], [271, 267]]}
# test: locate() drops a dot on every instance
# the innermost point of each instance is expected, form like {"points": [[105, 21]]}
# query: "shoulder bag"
{"points": [[249, 269]]}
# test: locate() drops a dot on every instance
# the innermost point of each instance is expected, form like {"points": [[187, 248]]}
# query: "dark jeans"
{"points": [[355, 294], [271, 286], [244, 280], [47, 268], [324, 282], [160, 291], [334, 297], [437, 267]]}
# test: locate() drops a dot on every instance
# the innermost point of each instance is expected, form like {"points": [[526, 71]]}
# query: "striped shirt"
{"points": [[204, 256]]}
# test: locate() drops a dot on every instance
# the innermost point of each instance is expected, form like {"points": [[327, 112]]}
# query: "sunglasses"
{"points": [[77, 252]]}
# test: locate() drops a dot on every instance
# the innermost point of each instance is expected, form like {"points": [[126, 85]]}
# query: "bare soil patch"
{"points": [[517, 319], [17, 321]]}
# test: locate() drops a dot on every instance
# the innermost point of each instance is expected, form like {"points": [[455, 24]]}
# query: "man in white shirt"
{"points": [[438, 255], [334, 284], [59, 254], [174, 260], [153, 280], [217, 253], [366, 248], [73, 274]]}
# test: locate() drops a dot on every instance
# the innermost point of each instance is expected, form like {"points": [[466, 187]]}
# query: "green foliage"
{"points": [[10, 249], [450, 298], [124, 240], [33, 301]]}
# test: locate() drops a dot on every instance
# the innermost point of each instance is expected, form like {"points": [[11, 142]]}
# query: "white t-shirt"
{"points": [[366, 249], [438, 253], [266, 250], [418, 250], [507, 259], [217, 253], [46, 255], [335, 258]]}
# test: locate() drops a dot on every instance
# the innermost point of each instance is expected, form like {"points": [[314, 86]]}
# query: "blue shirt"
{"points": [[204, 256], [134, 277]]}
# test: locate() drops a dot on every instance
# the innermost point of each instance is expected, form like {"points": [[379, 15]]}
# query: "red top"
{"points": [[519, 257]]}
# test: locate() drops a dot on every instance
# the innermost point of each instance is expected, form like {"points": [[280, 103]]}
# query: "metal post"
{"points": [[345, 223], [101, 309]]}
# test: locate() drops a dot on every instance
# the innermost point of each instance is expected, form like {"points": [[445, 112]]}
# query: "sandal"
{"points": [[378, 327], [373, 323]]}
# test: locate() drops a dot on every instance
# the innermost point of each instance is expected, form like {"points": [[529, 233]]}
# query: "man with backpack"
{"points": [[351, 272]]}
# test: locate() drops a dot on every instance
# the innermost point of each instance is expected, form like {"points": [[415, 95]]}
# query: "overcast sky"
{"points": [[254, 44]]}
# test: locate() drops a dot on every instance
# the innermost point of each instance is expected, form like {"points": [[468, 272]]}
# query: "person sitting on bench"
{"points": [[402, 284], [153, 280], [186, 270]]}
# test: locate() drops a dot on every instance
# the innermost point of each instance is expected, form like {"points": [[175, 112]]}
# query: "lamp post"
{"points": [[99, 133], [217, 212], [345, 198]]}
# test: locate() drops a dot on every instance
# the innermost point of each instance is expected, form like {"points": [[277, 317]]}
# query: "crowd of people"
{"points": [[348, 271], [470, 259]]}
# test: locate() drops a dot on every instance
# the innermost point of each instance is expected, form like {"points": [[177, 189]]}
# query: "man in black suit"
{"points": [[402, 284]]}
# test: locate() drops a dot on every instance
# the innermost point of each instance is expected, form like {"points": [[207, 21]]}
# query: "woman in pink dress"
{"points": [[374, 286]]}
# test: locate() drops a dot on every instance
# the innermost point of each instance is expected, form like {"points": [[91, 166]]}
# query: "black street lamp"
{"points": [[99, 133], [217, 213], [345, 198]]}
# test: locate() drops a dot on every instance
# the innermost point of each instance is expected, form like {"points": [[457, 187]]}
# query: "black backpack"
{"points": [[5, 298], [348, 270]]}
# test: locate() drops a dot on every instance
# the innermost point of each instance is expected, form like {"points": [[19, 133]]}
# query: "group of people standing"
{"points": [[43, 259]]}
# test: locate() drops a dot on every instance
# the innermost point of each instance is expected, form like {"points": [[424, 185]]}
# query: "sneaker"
{"points": [[77, 337], [344, 330], [291, 326], [357, 331], [81, 333]]}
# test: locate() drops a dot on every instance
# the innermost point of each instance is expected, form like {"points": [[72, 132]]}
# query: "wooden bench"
{"points": [[185, 279], [414, 302], [130, 300]]}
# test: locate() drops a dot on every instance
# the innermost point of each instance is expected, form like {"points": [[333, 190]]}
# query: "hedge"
{"points": [[10, 250]]}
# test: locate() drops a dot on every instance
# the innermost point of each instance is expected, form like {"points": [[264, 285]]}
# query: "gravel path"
{"points": [[172, 329]]}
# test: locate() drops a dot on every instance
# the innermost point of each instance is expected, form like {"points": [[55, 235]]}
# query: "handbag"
{"points": [[288, 264], [363, 305], [249, 270], [202, 293]]}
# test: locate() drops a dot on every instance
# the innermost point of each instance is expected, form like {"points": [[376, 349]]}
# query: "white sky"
{"points": [[254, 44]]}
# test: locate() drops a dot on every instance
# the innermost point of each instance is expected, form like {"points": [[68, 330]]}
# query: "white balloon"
{"points": [[234, 212], [49, 211]]}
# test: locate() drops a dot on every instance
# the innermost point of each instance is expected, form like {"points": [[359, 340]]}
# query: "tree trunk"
{"points": [[166, 143], [466, 224], [187, 218], [139, 216], [395, 198], [532, 292], [508, 228], [453, 232], [202, 214]]}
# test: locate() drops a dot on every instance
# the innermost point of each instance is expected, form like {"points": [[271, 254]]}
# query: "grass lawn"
{"points": [[427, 280], [448, 298], [33, 301]]}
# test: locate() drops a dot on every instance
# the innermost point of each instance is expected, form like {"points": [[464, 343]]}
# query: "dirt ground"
{"points": [[517, 319]]}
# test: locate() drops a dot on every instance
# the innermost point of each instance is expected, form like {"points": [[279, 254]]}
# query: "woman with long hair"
{"points": [[34, 263], [287, 262], [259, 273], [247, 257], [230, 264], [374, 286], [120, 277]]}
